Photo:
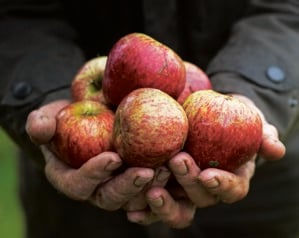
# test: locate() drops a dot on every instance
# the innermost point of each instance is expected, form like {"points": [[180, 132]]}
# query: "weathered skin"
{"points": [[223, 132], [83, 130], [139, 61], [196, 79], [150, 127], [87, 84]]}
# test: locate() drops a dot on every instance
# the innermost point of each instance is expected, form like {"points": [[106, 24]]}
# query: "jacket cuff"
{"points": [[26, 74]]}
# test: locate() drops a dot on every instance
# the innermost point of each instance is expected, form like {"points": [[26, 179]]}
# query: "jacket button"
{"points": [[293, 102], [275, 74], [21, 90]]}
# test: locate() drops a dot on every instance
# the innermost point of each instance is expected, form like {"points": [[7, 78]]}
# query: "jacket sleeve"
{"points": [[38, 59], [260, 60]]}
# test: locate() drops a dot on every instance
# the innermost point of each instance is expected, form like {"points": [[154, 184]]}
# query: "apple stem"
{"points": [[97, 83]]}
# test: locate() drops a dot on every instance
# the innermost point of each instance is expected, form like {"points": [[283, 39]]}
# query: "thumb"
{"points": [[41, 123], [271, 148]]}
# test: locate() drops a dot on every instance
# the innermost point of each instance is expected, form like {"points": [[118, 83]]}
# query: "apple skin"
{"points": [[83, 130], [150, 127], [87, 84], [138, 61], [196, 79], [223, 131]]}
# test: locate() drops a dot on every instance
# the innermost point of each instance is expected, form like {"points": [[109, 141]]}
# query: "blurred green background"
{"points": [[11, 220]]}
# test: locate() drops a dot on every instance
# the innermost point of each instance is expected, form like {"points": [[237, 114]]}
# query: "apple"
{"points": [[223, 131], [83, 130], [196, 79], [149, 128], [87, 84], [138, 61]]}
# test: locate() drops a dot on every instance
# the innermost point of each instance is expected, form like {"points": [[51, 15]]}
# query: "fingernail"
{"points": [[162, 175], [211, 183], [112, 165], [157, 202], [141, 181], [182, 169]]}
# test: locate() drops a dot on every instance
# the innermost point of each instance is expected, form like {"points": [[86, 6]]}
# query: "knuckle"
{"points": [[270, 130], [237, 195], [208, 202], [179, 223], [110, 200], [103, 204], [183, 217], [74, 191]]}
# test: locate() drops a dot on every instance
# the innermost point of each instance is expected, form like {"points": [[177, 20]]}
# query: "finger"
{"points": [[272, 148], [116, 192], [177, 214], [186, 173], [138, 202], [228, 187], [79, 184], [40, 127], [54, 107], [142, 217], [41, 123]]}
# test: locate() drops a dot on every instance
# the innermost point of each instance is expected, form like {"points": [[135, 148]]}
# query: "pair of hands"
{"points": [[142, 192]]}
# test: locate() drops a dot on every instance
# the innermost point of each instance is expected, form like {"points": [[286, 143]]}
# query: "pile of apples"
{"points": [[147, 104]]}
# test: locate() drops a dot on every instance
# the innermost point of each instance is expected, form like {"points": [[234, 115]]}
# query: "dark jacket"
{"points": [[246, 47]]}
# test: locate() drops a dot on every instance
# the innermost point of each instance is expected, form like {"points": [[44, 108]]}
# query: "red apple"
{"points": [[223, 131], [139, 61], [83, 130], [150, 127], [87, 84], [196, 79]]}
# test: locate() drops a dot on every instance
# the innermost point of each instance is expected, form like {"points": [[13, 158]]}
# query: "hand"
{"points": [[94, 181], [176, 206]]}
